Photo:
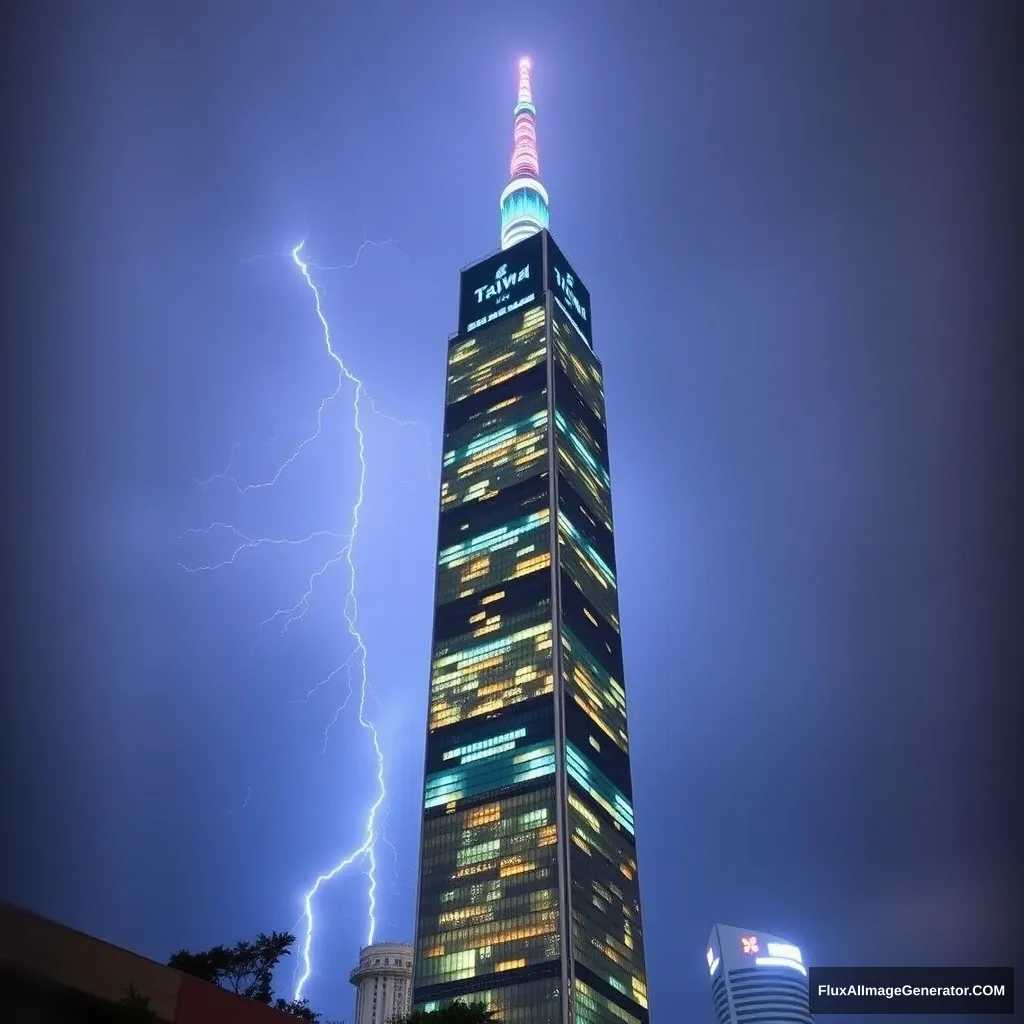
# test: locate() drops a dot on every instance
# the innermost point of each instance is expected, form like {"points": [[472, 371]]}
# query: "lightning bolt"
{"points": [[350, 612], [355, 666]]}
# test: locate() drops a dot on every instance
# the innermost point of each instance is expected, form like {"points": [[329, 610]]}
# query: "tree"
{"points": [[298, 1008], [135, 1006], [454, 1013], [246, 968]]}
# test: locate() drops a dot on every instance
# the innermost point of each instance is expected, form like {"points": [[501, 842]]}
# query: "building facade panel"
{"points": [[583, 470], [594, 689], [589, 572], [594, 1008], [496, 354], [497, 554], [519, 1002], [489, 756], [579, 363], [474, 675], [506, 457], [488, 899], [608, 930]]}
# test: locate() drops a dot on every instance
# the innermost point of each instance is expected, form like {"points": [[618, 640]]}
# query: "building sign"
{"points": [[570, 291], [750, 944], [783, 954], [713, 961], [510, 280], [785, 951]]}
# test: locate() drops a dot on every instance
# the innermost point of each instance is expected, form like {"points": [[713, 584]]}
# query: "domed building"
{"points": [[383, 982]]}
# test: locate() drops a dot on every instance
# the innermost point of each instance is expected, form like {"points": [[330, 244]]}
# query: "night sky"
{"points": [[793, 221]]}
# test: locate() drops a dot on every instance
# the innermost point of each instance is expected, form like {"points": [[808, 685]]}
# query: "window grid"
{"points": [[583, 440], [496, 354], [591, 1007], [526, 1003], [501, 413], [488, 893], [586, 484], [499, 555], [505, 765], [483, 474], [471, 676], [598, 693], [583, 447], [585, 474], [599, 788], [580, 365], [588, 571]]}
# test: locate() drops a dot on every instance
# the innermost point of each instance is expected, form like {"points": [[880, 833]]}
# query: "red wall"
{"points": [[202, 1003]]}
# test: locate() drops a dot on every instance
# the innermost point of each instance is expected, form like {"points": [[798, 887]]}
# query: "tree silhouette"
{"points": [[454, 1013], [246, 968], [298, 1008], [134, 1007]]}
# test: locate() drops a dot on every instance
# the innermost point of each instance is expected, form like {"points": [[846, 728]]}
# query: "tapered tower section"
{"points": [[528, 894], [524, 203]]}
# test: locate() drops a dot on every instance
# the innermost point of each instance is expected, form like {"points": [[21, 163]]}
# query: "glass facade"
{"points": [[528, 896]]}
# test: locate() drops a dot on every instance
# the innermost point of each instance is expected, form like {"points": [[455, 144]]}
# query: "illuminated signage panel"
{"points": [[713, 961], [513, 279], [571, 292], [785, 951]]}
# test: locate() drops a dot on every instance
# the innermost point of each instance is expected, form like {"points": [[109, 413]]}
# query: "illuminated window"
{"points": [[510, 456], [601, 790], [525, 1003], [588, 570], [607, 929], [512, 402], [593, 1008], [498, 555], [594, 689], [572, 469], [591, 627], [496, 354], [572, 404], [473, 676], [488, 891], [586, 433], [579, 363], [487, 770], [581, 445]]}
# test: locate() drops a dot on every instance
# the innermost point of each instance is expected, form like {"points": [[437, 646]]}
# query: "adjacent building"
{"points": [[383, 982], [528, 898], [756, 977], [49, 972]]}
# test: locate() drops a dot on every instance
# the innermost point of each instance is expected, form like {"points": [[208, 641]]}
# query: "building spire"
{"points": [[524, 202]]}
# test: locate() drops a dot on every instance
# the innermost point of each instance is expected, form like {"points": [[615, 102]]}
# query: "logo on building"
{"points": [[504, 282], [749, 944], [565, 284]]}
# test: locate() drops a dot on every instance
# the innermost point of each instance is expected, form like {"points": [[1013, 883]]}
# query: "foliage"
{"points": [[135, 1006], [298, 1008], [454, 1013], [246, 969]]}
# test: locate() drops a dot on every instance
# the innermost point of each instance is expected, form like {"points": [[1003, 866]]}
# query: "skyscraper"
{"points": [[756, 977], [528, 895]]}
